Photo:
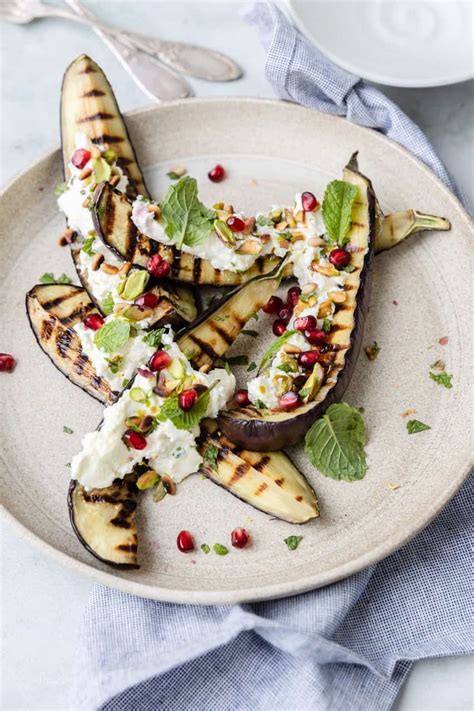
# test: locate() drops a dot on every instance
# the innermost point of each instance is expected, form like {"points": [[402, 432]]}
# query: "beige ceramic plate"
{"points": [[271, 150]]}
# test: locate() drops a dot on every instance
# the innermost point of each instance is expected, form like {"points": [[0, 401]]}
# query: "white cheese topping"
{"points": [[169, 450]]}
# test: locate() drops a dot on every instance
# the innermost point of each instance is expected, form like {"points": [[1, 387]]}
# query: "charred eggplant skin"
{"points": [[250, 429], [88, 105], [104, 520]]}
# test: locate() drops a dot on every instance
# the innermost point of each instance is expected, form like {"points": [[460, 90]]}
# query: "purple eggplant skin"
{"points": [[254, 432]]}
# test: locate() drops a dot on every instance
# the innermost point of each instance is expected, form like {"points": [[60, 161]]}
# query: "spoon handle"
{"points": [[158, 82]]}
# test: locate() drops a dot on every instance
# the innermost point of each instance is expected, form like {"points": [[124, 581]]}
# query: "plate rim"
{"points": [[273, 590], [373, 75]]}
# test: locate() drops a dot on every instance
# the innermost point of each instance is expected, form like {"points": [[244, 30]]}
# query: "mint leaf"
{"points": [[275, 347], [154, 338], [442, 378], [210, 456], [170, 410], [188, 221], [251, 367], [49, 278], [205, 548], [112, 335], [107, 304], [293, 542], [335, 443], [87, 246], [414, 426], [337, 210]]}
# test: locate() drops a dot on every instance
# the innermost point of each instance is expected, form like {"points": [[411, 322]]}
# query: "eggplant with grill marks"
{"points": [[265, 430]]}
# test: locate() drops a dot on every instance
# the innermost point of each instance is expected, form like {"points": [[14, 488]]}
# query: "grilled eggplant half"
{"points": [[112, 214], [104, 521], [266, 430], [53, 310], [269, 482], [88, 105]]}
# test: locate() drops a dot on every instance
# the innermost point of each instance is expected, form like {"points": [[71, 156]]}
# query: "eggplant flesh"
{"points": [[53, 310], [104, 521], [112, 214], [263, 430], [269, 482], [88, 105]]}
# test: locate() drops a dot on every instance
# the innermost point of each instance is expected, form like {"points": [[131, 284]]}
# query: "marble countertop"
{"points": [[42, 602]]}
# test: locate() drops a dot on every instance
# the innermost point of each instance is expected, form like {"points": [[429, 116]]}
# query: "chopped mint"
{"points": [[249, 332], [275, 347], [293, 542], [238, 360], [254, 316], [220, 549], [251, 367], [326, 325], [108, 304], [67, 430], [154, 338], [414, 426], [114, 363], [287, 368], [87, 246], [49, 278], [205, 548], [125, 382], [210, 456], [68, 465], [264, 221], [443, 379]]}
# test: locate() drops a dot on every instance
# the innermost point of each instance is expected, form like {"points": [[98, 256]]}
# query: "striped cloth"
{"points": [[346, 647]]}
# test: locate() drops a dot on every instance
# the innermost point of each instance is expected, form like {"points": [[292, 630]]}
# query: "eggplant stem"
{"points": [[400, 225]]}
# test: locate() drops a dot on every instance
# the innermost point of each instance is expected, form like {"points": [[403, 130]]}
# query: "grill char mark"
{"points": [[92, 93], [262, 463], [240, 472], [46, 330], [107, 138]]}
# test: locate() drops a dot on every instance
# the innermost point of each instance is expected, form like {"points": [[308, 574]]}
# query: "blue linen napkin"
{"points": [[346, 647]]}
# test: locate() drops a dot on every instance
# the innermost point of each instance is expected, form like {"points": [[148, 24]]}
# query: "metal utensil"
{"points": [[199, 62], [158, 82]]}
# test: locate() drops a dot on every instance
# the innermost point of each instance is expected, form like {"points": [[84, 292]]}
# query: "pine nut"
{"points": [[290, 349], [97, 261], [114, 180], [66, 238], [308, 288], [85, 173], [155, 209], [125, 268], [205, 368], [108, 268]]}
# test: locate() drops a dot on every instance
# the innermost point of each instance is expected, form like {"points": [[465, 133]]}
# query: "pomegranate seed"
{"points": [[216, 174], [80, 158], [278, 328], [7, 363], [289, 401], [285, 314], [187, 399], [308, 358], [93, 321], [309, 202], [273, 305], [316, 337], [242, 398], [185, 542], [239, 537], [158, 267], [339, 258], [148, 299], [159, 361], [235, 223], [134, 440], [293, 296], [305, 323]]}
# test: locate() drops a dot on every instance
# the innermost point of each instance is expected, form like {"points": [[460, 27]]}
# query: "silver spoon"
{"points": [[199, 62], [158, 82]]}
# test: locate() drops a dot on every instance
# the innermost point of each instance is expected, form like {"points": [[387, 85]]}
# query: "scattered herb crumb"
{"points": [[442, 378], [125, 382], [60, 189], [68, 465], [254, 316], [210, 456], [251, 367], [219, 549], [67, 430], [414, 426], [395, 303], [326, 325], [393, 487], [407, 413], [293, 542], [249, 332], [238, 360], [443, 341], [438, 365], [372, 351], [202, 476], [205, 548], [49, 278]]}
